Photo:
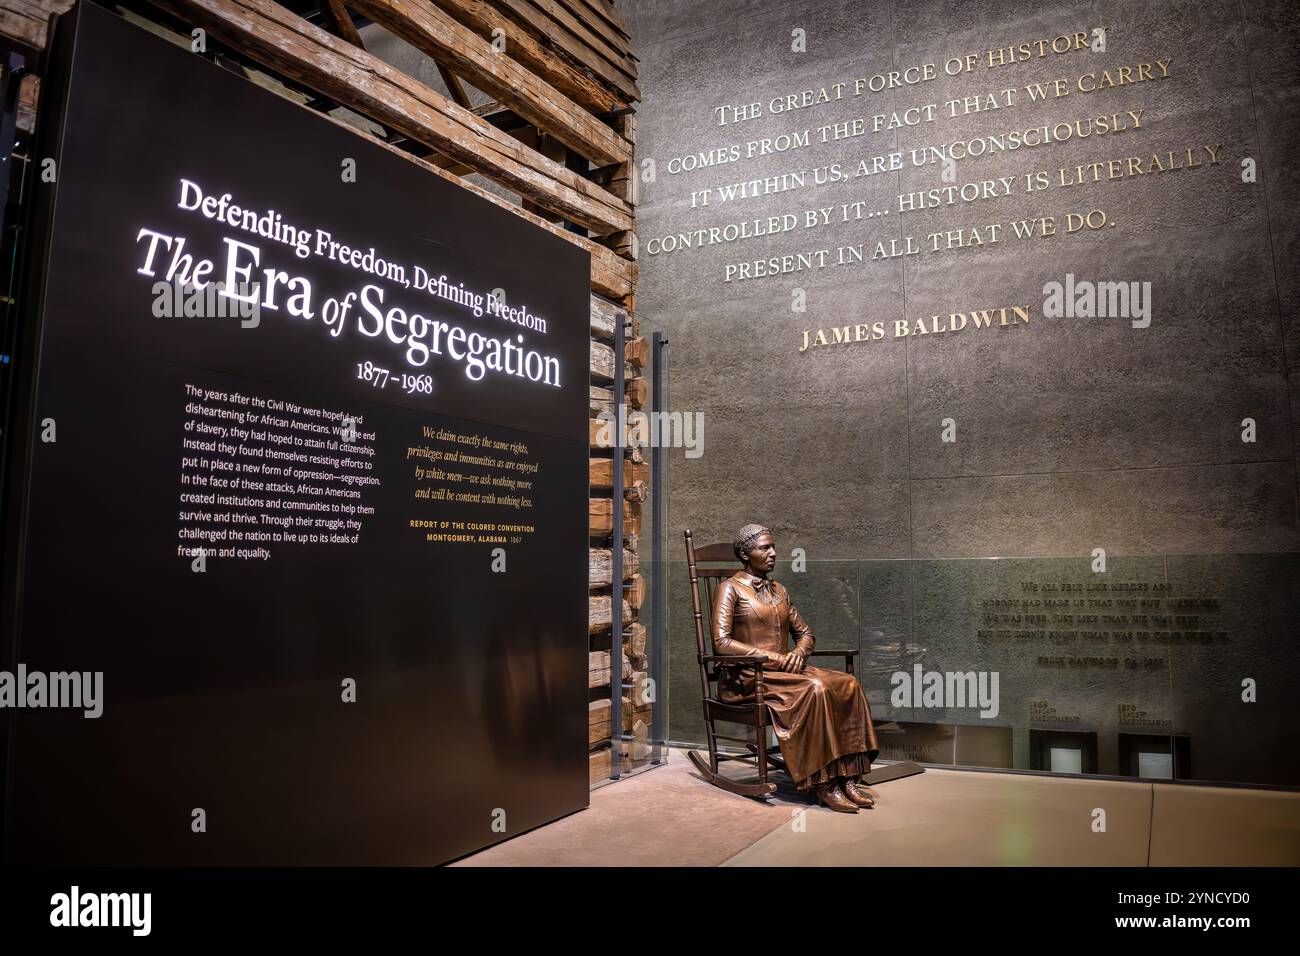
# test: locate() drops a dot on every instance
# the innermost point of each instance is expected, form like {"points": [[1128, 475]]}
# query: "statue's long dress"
{"points": [[821, 718]]}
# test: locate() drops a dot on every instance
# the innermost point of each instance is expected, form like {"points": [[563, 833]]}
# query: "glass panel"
{"points": [[1157, 667], [1231, 640]]}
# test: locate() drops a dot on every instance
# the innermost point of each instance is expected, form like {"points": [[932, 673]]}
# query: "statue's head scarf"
{"points": [[745, 537]]}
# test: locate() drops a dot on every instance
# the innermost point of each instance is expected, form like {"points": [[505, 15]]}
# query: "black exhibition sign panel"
{"points": [[322, 530]]}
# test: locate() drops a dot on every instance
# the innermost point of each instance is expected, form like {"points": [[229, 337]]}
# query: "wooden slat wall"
{"points": [[637, 708], [431, 30], [26, 20], [533, 50], [568, 72], [565, 35], [290, 45]]}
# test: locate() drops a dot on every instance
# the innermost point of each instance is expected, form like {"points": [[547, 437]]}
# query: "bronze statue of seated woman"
{"points": [[821, 718]]}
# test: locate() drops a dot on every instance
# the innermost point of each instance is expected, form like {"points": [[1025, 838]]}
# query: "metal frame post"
{"points": [[616, 570], [658, 357]]}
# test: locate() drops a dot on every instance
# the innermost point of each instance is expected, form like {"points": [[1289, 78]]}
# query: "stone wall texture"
{"points": [[1072, 434]]}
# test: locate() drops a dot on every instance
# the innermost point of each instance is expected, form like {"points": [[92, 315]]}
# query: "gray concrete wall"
{"points": [[1072, 434]]}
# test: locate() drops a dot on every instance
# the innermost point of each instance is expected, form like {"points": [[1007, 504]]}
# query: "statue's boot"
{"points": [[832, 796], [857, 793]]}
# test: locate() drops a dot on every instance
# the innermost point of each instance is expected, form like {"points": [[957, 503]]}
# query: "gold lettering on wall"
{"points": [[999, 316]]}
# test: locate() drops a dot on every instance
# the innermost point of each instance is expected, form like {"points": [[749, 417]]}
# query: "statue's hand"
{"points": [[791, 663]]}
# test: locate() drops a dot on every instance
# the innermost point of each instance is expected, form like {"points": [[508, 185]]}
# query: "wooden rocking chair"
{"points": [[704, 583]]}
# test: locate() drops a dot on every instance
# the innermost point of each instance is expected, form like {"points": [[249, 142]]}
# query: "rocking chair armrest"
{"points": [[735, 660], [833, 653]]}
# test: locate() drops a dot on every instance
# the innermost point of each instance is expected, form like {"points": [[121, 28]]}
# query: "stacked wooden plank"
{"points": [[26, 21], [637, 694], [581, 48]]}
